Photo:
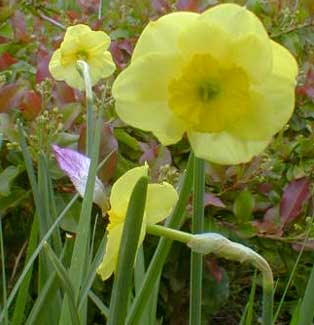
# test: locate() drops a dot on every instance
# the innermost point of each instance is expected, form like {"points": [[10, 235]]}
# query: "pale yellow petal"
{"points": [[67, 72], [161, 199], [232, 35], [161, 35], [272, 104], [101, 66], [141, 94], [73, 32], [236, 20], [109, 262], [122, 189], [284, 63], [224, 148]]}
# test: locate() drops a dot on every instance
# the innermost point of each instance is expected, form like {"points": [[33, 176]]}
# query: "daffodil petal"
{"points": [[141, 94], [122, 189], [101, 66], [161, 198], [73, 32], [272, 106], [236, 20], [67, 72], [161, 35], [109, 262], [230, 34], [224, 148], [284, 63]]}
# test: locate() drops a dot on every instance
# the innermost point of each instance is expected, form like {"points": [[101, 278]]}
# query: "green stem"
{"points": [[163, 248], [83, 68], [267, 303], [169, 233], [197, 227]]}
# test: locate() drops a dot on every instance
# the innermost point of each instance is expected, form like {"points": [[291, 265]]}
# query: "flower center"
{"points": [[209, 95], [208, 90], [82, 55]]}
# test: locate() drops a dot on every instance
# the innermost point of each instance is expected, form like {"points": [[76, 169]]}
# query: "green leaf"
{"points": [[7, 176], [154, 270], [124, 137], [243, 206], [22, 298], [307, 305], [128, 247], [66, 283]]}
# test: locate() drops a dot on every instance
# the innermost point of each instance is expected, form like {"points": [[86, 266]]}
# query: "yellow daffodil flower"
{"points": [[161, 198], [81, 43], [216, 76]]}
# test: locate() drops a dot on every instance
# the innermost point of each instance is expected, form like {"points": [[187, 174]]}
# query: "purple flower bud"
{"points": [[76, 167]]}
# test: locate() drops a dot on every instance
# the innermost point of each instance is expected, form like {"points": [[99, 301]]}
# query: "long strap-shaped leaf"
{"points": [[66, 283], [162, 250], [127, 253]]}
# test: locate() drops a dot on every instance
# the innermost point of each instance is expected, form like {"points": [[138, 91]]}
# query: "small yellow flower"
{"points": [[216, 76], [161, 198], [81, 43]]}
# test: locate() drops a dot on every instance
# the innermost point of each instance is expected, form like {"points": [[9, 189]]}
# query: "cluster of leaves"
{"points": [[267, 203]]}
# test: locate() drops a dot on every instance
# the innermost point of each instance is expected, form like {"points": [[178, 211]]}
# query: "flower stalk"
{"points": [[197, 227], [84, 71]]}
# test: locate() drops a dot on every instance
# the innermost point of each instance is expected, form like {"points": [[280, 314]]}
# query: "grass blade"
{"points": [[128, 247], [35, 255], [4, 281], [103, 308], [306, 312], [21, 301], [66, 283]]}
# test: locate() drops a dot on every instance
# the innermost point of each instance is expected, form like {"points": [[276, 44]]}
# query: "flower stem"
{"points": [[197, 227], [83, 68], [169, 233]]}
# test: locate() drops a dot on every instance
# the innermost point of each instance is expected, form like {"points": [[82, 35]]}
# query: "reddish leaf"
{"points": [[10, 96], [188, 5], [19, 26], [292, 200], [30, 104], [43, 58], [88, 6], [121, 51], [214, 268], [308, 88], [108, 145], [156, 156], [63, 94], [270, 223], [210, 199], [161, 6], [6, 59]]}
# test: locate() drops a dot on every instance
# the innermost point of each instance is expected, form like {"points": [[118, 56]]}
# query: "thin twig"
{"points": [[293, 29]]}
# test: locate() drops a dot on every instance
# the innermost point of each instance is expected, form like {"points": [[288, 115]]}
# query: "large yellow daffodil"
{"points": [[81, 43], [160, 200], [216, 76]]}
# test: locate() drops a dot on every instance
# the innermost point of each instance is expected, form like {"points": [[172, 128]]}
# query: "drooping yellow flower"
{"points": [[161, 198], [81, 43], [216, 76]]}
